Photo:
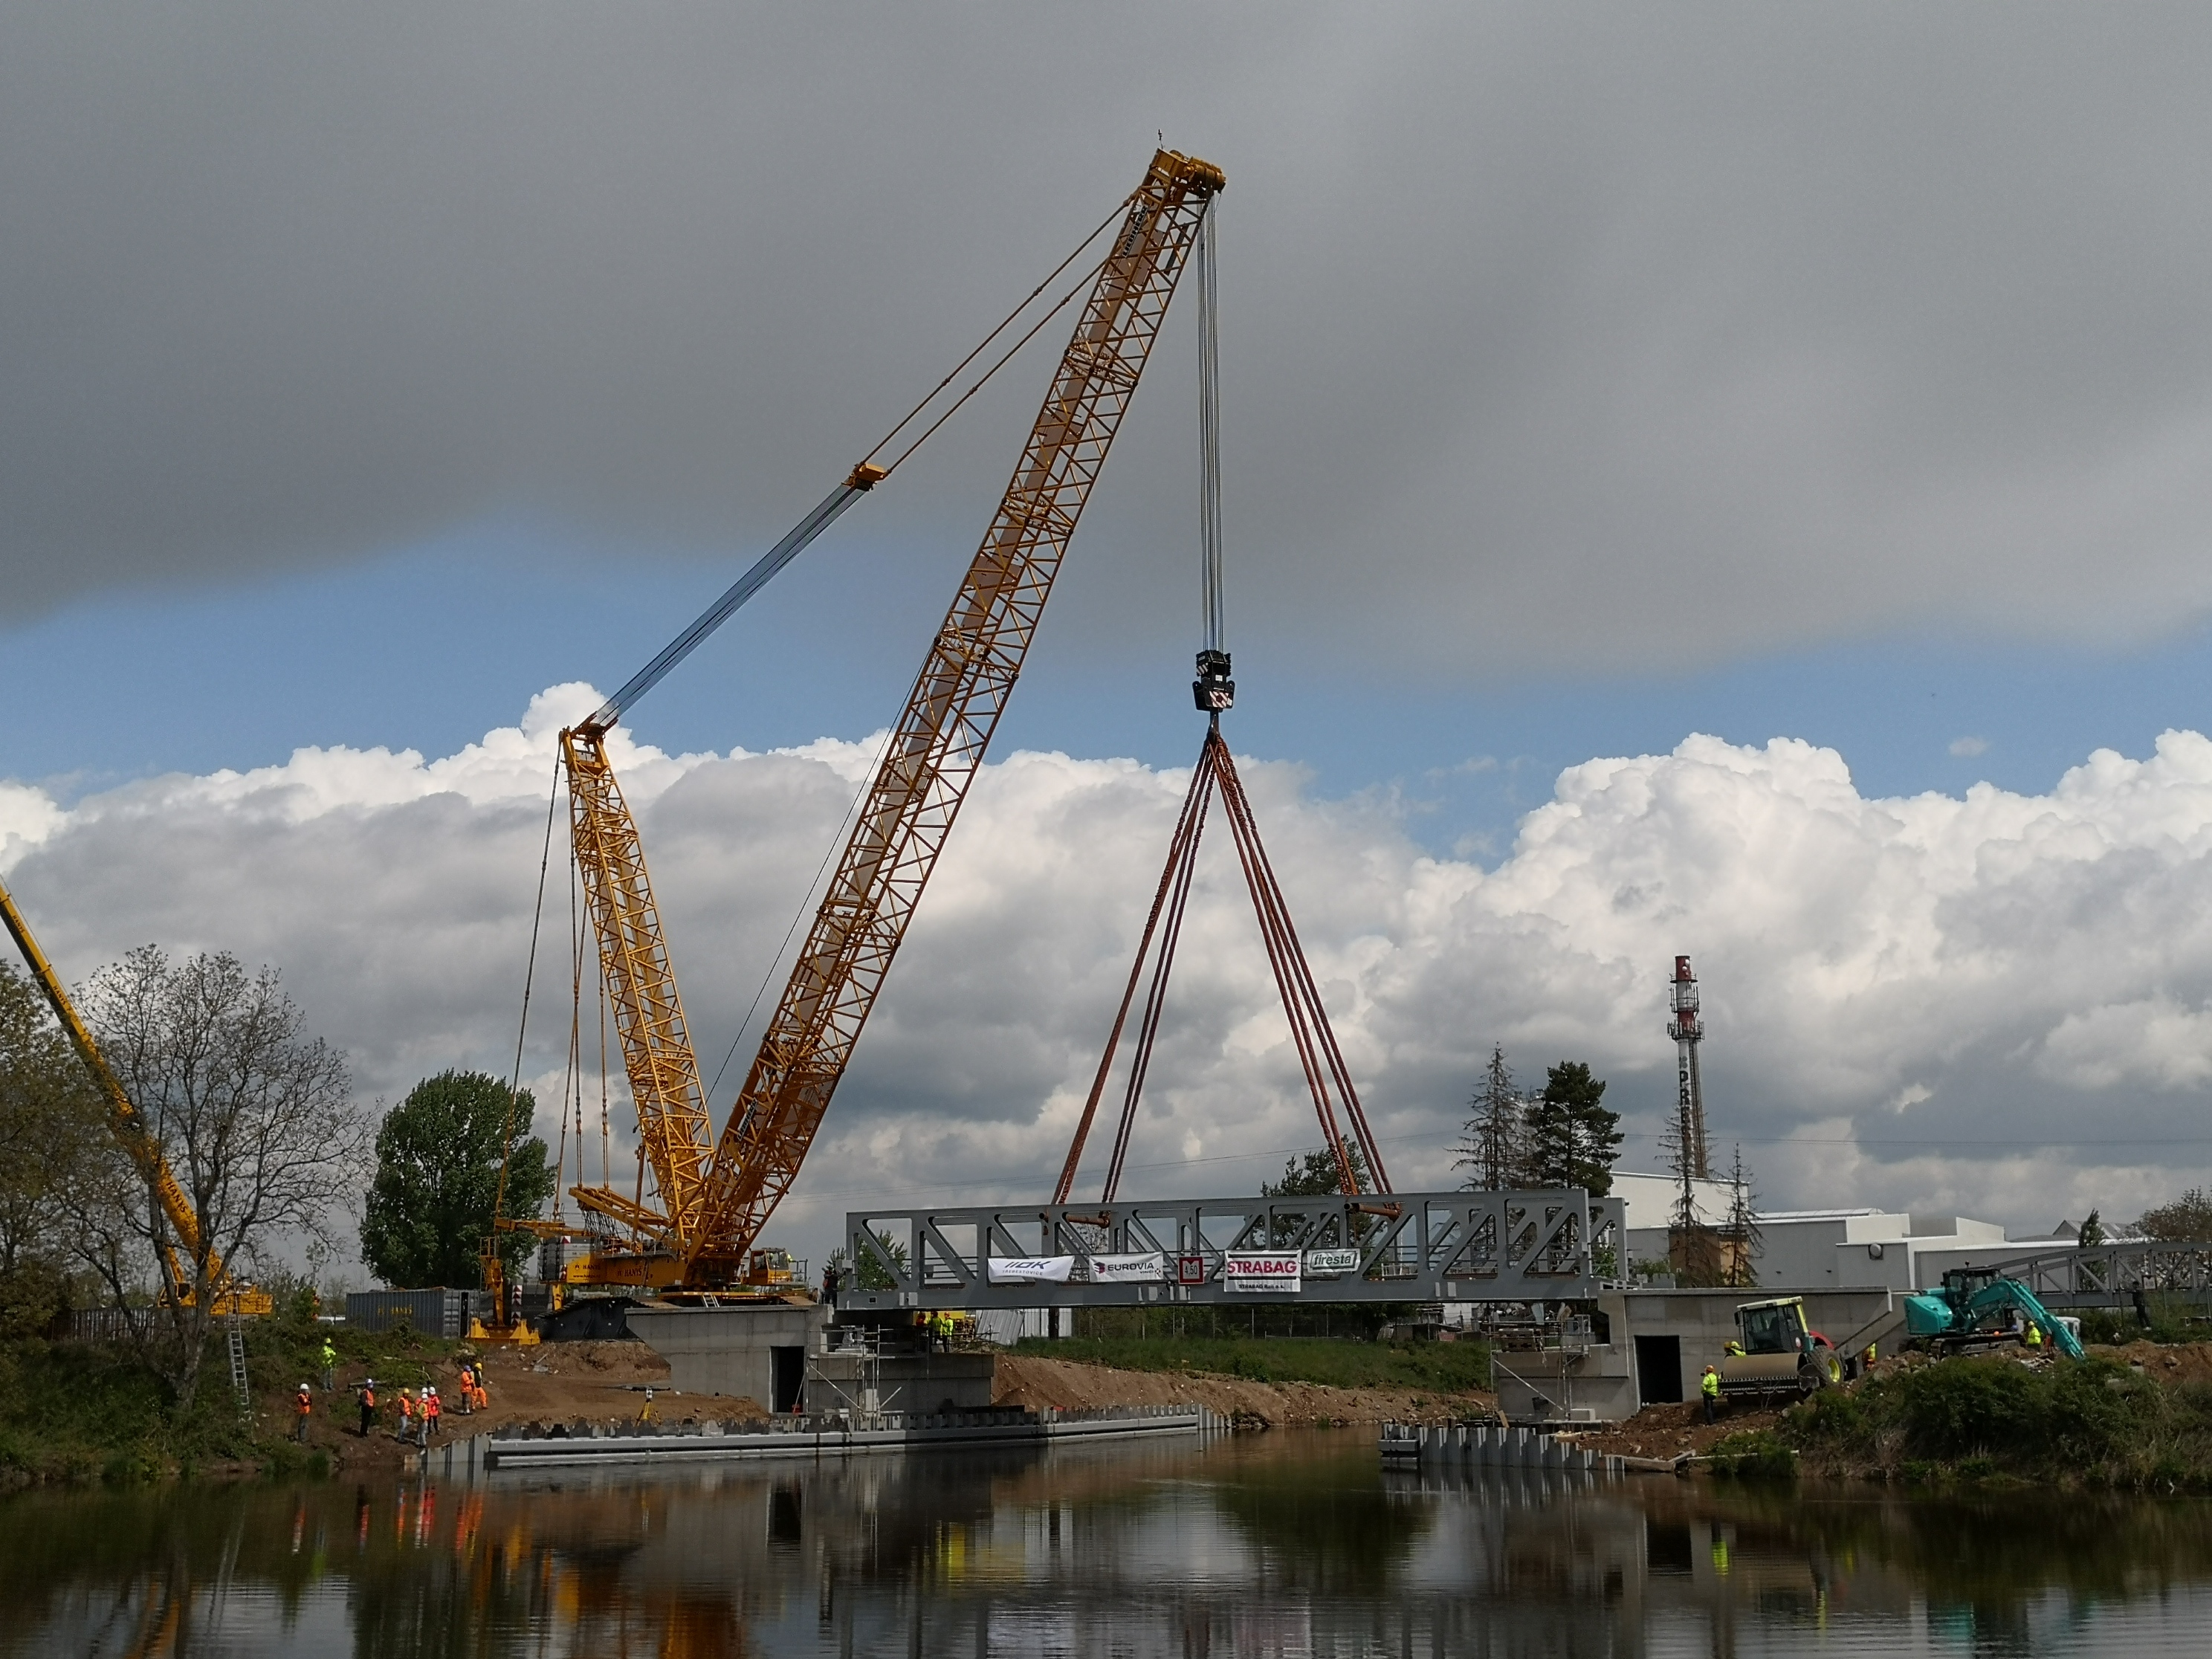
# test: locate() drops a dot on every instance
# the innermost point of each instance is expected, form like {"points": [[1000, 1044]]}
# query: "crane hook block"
{"points": [[867, 476], [1214, 691]]}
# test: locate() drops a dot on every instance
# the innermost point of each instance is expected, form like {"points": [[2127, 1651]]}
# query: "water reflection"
{"points": [[1274, 1544]]}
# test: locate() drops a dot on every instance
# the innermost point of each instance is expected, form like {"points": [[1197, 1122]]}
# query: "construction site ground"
{"points": [[2181, 1362], [550, 1382], [563, 1381], [1668, 1432]]}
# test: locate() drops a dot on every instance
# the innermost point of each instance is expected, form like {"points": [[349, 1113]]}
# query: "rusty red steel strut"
{"points": [[1336, 1101]]}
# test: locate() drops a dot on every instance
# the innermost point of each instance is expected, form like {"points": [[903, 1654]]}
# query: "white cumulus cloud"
{"points": [[1998, 1003]]}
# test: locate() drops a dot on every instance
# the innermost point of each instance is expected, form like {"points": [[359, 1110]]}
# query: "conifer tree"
{"points": [[1573, 1139], [1741, 1233], [1494, 1142]]}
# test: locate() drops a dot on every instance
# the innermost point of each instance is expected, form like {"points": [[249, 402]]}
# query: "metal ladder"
{"points": [[238, 1383]]}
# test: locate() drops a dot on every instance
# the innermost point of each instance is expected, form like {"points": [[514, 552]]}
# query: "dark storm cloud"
{"points": [[1649, 334]]}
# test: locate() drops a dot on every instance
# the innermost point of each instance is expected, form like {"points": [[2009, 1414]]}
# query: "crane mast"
{"points": [[658, 1059], [950, 715]]}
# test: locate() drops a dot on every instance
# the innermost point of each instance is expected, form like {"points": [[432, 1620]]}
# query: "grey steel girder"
{"points": [[1551, 1245], [2109, 1275]]}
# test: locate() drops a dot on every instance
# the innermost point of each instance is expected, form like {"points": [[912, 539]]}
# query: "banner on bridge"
{"points": [[1031, 1269], [1145, 1267], [1273, 1272]]}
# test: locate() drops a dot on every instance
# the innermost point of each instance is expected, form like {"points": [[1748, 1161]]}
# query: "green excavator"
{"points": [[1973, 1309]]}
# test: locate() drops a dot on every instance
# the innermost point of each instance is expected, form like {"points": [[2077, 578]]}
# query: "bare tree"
{"points": [[1494, 1142], [256, 1119]]}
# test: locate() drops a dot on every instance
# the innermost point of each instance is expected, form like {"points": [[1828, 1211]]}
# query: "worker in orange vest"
{"points": [[468, 1388], [429, 1414], [304, 1405], [406, 1414], [483, 1395], [368, 1405]]}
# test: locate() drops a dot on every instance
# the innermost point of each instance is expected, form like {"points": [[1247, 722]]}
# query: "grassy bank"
{"points": [[2092, 1424], [76, 1413], [1443, 1367]]}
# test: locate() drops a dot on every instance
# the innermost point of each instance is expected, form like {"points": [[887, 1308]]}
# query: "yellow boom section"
{"points": [[950, 715], [640, 988], [129, 1126]]}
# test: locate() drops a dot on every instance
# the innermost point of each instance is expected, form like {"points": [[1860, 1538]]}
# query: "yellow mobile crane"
{"points": [[190, 1250], [714, 1195]]}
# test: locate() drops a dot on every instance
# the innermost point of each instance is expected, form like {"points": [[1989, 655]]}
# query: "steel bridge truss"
{"points": [[2112, 1275], [1552, 1245]]}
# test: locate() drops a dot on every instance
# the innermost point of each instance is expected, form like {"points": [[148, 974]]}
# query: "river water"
{"points": [[1278, 1544]]}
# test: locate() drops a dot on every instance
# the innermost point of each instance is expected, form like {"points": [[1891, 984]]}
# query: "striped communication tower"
{"points": [[1688, 1031]]}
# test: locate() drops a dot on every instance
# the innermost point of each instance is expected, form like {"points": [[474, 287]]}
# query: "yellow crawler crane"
{"points": [[939, 742], [184, 1256], [711, 1212]]}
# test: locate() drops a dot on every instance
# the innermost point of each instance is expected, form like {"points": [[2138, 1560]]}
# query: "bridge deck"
{"points": [[1550, 1245]]}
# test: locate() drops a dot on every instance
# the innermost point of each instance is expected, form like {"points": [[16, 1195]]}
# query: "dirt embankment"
{"points": [[1026, 1380], [554, 1382], [1667, 1432], [2183, 1362]]}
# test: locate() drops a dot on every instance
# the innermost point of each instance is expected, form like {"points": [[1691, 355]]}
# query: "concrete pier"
{"points": [[1488, 1445]]}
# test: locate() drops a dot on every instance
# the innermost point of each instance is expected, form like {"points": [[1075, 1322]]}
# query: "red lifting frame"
{"points": [[1325, 1073]]}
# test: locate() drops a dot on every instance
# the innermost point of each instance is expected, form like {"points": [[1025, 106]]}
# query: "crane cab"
{"points": [[771, 1268]]}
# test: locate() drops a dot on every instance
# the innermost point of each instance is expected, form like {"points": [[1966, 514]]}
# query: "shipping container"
{"points": [[437, 1312]]}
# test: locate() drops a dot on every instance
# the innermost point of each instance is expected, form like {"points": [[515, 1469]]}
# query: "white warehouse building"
{"points": [[1836, 1249]]}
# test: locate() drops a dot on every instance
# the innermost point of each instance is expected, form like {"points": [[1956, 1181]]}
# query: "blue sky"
{"points": [[430, 647]]}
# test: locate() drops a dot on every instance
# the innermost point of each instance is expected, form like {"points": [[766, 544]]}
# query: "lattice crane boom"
{"points": [[948, 721], [673, 1126]]}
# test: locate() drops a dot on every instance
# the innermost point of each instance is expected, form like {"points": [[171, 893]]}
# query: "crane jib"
{"points": [[738, 592]]}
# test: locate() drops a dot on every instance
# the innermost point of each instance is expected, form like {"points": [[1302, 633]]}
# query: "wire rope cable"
{"points": [[807, 902], [1209, 425], [529, 978], [862, 478]]}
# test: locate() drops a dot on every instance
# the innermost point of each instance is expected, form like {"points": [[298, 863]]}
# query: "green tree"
{"points": [[2093, 1231], [1573, 1139], [871, 1275], [2187, 1220], [1315, 1177], [437, 1181], [50, 1128]]}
